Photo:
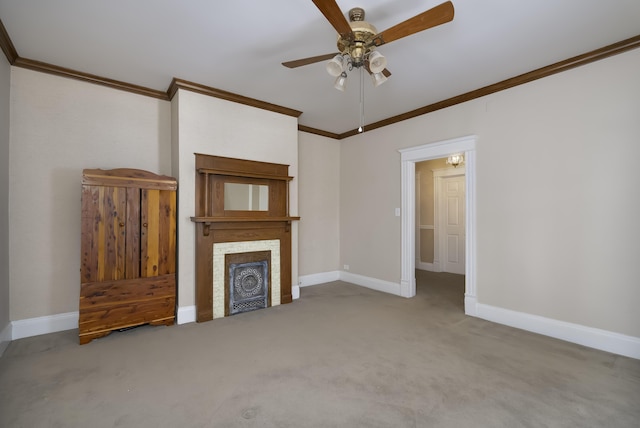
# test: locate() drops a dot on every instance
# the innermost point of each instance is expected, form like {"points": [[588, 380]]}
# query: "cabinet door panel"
{"points": [[112, 235], [132, 255], [167, 237], [89, 241], [104, 213], [158, 232]]}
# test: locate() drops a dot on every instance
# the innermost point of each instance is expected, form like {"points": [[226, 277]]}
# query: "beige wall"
{"points": [[319, 166], [213, 126], [5, 84], [369, 195], [557, 199], [58, 127]]}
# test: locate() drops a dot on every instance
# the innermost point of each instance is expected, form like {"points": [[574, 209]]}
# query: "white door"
{"points": [[452, 224]]}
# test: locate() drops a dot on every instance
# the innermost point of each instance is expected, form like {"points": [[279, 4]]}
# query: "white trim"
{"points": [[318, 278], [418, 238], [603, 340], [471, 292], [295, 292], [408, 158], [5, 338], [43, 325], [361, 280], [470, 305], [373, 283], [186, 314], [407, 227]]}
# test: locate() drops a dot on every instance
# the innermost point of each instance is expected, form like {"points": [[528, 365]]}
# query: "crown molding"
{"points": [[229, 96], [7, 45], [558, 67], [91, 78], [320, 132]]}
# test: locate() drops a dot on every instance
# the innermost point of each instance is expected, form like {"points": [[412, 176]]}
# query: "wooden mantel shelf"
{"points": [[208, 222], [240, 219]]}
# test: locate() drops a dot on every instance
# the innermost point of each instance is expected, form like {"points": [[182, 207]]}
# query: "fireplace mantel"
{"points": [[226, 222], [216, 224]]}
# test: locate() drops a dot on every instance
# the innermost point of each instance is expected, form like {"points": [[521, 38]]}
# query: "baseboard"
{"points": [[43, 325], [186, 314], [5, 338], [318, 278], [603, 340], [364, 281], [373, 283], [295, 292], [50, 324], [470, 305]]}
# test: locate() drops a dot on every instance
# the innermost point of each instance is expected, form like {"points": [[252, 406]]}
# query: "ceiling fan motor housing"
{"points": [[363, 32]]}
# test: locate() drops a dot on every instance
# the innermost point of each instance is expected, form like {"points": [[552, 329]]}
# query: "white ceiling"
{"points": [[239, 45]]}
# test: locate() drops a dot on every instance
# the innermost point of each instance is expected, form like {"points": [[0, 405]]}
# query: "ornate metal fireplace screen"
{"points": [[248, 286]]}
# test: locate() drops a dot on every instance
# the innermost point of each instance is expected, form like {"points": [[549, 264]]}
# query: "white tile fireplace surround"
{"points": [[220, 250]]}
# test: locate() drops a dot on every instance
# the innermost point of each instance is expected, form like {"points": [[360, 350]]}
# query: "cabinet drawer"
{"points": [[111, 305]]}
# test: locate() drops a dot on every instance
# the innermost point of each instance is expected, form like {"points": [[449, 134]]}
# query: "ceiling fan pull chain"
{"points": [[361, 128]]}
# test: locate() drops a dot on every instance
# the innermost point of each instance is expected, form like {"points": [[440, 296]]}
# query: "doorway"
{"points": [[409, 157], [440, 214]]}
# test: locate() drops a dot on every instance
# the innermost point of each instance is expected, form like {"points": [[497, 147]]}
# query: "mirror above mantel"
{"points": [[246, 197], [239, 190]]}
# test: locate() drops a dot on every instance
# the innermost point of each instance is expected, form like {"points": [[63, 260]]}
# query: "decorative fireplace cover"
{"points": [[248, 286]]}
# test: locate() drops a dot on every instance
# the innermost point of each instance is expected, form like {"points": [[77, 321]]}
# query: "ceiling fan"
{"points": [[358, 40]]}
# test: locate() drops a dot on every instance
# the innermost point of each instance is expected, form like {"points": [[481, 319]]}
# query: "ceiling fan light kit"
{"points": [[358, 40]]}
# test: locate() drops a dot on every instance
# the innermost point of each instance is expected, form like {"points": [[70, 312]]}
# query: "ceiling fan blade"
{"points": [[310, 60], [334, 15], [431, 18]]}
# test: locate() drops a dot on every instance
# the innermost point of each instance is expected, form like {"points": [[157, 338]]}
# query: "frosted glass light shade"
{"points": [[377, 62], [341, 82], [378, 79], [334, 66]]}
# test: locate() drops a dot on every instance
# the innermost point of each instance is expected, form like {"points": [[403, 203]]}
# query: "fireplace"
{"points": [[230, 259], [243, 236], [247, 281]]}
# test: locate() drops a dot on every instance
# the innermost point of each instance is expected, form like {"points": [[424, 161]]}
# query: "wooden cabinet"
{"points": [[128, 251]]}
